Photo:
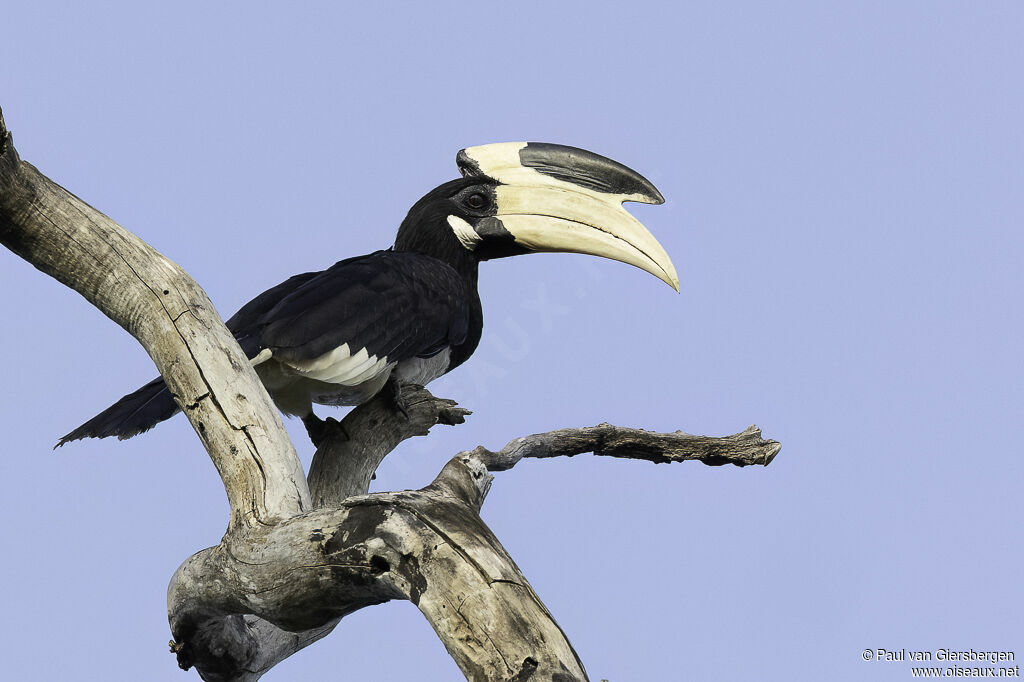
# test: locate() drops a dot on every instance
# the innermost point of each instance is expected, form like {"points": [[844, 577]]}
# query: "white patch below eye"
{"points": [[261, 357], [464, 231]]}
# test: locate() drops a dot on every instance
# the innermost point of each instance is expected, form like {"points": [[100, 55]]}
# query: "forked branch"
{"points": [[292, 563]]}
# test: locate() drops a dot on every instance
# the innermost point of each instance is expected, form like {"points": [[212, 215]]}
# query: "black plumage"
{"points": [[402, 305], [412, 313], [395, 304], [392, 303]]}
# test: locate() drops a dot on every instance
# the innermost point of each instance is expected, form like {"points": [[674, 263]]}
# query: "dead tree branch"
{"points": [[161, 306], [741, 449], [344, 465], [300, 555]]}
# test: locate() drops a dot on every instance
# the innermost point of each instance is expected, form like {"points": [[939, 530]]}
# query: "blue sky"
{"points": [[843, 207]]}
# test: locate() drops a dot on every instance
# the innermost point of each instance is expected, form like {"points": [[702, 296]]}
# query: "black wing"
{"points": [[395, 304], [245, 324], [399, 305]]}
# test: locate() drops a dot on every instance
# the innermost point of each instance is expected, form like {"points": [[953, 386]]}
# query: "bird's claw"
{"points": [[397, 400], [322, 430]]}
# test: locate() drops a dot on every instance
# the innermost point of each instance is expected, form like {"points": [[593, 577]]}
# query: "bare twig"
{"points": [[741, 449]]}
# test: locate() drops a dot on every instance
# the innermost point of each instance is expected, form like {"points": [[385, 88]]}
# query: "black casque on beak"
{"points": [[556, 198], [573, 165]]}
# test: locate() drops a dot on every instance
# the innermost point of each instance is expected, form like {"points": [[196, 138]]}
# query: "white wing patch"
{"points": [[340, 366]]}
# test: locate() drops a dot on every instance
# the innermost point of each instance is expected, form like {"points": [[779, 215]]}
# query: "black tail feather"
{"points": [[131, 415]]}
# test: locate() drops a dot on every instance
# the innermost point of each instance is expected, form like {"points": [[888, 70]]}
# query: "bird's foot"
{"points": [[394, 395], [322, 430]]}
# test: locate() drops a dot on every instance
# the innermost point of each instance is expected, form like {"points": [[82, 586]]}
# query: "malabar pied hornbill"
{"points": [[412, 313]]}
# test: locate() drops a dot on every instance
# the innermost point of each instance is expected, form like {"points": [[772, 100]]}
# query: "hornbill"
{"points": [[412, 312]]}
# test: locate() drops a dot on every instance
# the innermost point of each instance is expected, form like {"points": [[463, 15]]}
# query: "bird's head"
{"points": [[524, 197]]}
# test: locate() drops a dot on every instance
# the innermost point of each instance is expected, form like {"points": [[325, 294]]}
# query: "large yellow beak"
{"points": [[557, 198]]}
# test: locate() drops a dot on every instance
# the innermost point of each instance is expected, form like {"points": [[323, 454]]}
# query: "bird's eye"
{"points": [[476, 201]]}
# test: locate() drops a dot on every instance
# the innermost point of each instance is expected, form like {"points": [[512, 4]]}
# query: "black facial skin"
{"points": [[474, 199], [479, 205]]}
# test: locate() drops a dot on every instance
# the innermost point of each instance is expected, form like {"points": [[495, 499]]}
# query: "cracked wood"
{"points": [[292, 564]]}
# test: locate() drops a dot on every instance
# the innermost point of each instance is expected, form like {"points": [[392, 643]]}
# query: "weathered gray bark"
{"points": [[297, 557], [157, 303], [344, 465]]}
